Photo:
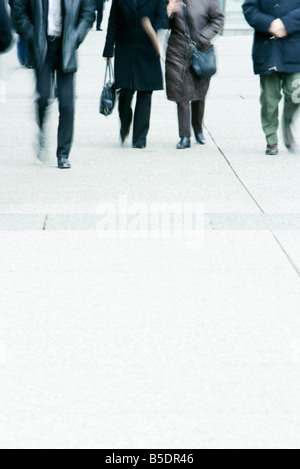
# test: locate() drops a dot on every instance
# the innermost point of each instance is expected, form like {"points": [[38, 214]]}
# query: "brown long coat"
{"points": [[206, 20]]}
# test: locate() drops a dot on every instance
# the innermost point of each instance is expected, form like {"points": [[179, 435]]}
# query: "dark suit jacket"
{"points": [[269, 55], [31, 18], [137, 65], [5, 28]]}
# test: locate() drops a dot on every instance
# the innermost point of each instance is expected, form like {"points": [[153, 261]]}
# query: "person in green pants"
{"points": [[276, 59]]}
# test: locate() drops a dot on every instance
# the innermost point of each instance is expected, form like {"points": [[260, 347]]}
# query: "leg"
{"points": [[100, 16], [125, 112], [184, 119], [44, 84], [291, 83], [198, 108], [270, 98], [142, 118], [65, 91]]}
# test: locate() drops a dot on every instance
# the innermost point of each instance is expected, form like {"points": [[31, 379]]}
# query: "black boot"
{"points": [[184, 143], [200, 138]]}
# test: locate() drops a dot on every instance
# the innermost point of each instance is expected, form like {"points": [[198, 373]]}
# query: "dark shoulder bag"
{"points": [[203, 64], [108, 95]]}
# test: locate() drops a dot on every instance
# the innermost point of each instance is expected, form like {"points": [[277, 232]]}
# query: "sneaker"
{"points": [[272, 150]]}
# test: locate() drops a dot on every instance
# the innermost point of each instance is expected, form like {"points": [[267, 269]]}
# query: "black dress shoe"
{"points": [[200, 138], [272, 150], [289, 140], [184, 143], [140, 146], [64, 163]]}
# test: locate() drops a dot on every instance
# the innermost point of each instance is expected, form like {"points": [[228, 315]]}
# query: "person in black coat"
{"points": [[137, 63], [54, 29], [5, 28], [276, 57]]}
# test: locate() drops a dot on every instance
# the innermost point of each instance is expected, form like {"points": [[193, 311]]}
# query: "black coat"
{"points": [[271, 54], [137, 65], [31, 19], [99, 4], [5, 28]]}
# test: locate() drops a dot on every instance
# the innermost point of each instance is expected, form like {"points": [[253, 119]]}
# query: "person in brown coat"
{"points": [[183, 86]]}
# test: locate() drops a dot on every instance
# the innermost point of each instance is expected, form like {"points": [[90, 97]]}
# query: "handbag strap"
{"points": [[187, 20], [108, 71]]}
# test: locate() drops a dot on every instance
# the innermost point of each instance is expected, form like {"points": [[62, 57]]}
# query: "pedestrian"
{"points": [[276, 57], [137, 64], [99, 14], [5, 27], [183, 85], [54, 30]]}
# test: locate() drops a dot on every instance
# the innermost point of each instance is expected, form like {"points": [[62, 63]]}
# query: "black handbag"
{"points": [[203, 64], [108, 95]]}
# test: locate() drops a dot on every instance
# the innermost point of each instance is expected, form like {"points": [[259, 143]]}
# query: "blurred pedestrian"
{"points": [[276, 57], [5, 27], [54, 30], [183, 85], [137, 64], [99, 14]]}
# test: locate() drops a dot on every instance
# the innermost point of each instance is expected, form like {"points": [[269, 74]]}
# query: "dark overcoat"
{"points": [[99, 4], [137, 65], [206, 21], [271, 54], [5, 28], [30, 17]]}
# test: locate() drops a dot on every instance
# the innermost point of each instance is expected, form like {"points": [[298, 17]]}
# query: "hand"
{"points": [[174, 6], [278, 29]]}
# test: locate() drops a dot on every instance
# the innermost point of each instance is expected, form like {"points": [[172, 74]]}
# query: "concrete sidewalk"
{"points": [[148, 343]]}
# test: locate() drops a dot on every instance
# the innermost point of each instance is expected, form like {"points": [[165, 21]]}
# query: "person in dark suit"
{"points": [[276, 57], [137, 63], [54, 29], [5, 28], [99, 10]]}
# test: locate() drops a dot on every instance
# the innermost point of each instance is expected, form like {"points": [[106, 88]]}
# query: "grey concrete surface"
{"points": [[109, 343]]}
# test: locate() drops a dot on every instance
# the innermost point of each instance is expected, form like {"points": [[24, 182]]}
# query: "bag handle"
{"points": [[187, 20], [108, 71]]}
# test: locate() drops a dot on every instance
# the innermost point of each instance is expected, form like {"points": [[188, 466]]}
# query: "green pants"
{"points": [[271, 94]]}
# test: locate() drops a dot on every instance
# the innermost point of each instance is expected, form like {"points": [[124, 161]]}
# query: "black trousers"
{"points": [[184, 117], [45, 78], [142, 114], [100, 14]]}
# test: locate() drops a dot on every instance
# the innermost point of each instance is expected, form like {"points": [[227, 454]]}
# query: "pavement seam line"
{"points": [[295, 267], [235, 173]]}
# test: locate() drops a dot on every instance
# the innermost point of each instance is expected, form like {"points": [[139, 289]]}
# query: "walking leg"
{"points": [[125, 112], [270, 98], [142, 118]]}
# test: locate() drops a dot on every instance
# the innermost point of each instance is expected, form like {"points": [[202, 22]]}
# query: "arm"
{"points": [[292, 21], [22, 20], [214, 26], [111, 31], [86, 19], [260, 21]]}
